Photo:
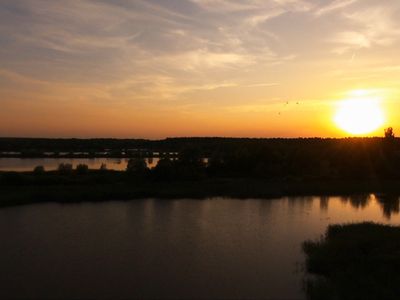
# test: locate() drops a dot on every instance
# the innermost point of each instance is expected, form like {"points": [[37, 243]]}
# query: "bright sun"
{"points": [[359, 114]]}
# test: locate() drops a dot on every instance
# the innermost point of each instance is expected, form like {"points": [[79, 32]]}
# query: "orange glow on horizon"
{"points": [[206, 68]]}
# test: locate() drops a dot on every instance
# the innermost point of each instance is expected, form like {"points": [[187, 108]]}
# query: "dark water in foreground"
{"points": [[216, 248]]}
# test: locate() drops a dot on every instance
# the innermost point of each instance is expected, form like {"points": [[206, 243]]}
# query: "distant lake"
{"points": [[28, 164], [215, 248]]}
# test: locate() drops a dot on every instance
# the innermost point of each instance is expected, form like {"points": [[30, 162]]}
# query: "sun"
{"points": [[359, 114]]}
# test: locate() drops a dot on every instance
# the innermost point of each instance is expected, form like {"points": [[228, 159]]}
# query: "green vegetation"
{"points": [[354, 261]]}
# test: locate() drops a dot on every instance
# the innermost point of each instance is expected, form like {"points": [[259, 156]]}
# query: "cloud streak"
{"points": [[152, 53]]}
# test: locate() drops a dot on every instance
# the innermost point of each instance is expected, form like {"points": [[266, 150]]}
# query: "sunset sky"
{"points": [[158, 68]]}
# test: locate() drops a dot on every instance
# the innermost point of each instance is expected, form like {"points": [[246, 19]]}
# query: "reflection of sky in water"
{"points": [[177, 248], [28, 164]]}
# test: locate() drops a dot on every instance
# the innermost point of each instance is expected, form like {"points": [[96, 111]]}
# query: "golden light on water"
{"points": [[360, 114]]}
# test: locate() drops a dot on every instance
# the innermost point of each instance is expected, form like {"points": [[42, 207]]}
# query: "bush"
{"points": [[389, 133], [65, 168], [191, 157], [164, 170], [354, 261], [38, 170], [82, 169], [137, 166]]}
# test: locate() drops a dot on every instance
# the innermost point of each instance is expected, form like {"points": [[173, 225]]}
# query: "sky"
{"points": [[163, 68]]}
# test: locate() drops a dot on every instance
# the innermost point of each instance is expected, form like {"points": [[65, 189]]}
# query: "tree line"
{"points": [[297, 159]]}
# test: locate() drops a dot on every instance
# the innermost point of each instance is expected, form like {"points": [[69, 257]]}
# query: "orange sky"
{"points": [[159, 68]]}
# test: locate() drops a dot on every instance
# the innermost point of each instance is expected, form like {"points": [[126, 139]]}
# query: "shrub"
{"points": [[82, 169], [164, 170], [137, 166], [38, 170], [191, 157], [65, 168], [389, 134], [354, 261]]}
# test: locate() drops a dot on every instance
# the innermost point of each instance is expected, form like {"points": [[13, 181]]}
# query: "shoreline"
{"points": [[114, 185]]}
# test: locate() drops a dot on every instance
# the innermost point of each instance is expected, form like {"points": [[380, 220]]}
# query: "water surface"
{"points": [[50, 164], [214, 248]]}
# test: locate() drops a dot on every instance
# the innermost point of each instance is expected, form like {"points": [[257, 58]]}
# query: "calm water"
{"points": [[28, 164], [215, 248]]}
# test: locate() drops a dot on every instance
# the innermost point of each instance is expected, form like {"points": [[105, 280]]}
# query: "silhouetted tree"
{"points": [[215, 164], [164, 170], [38, 170], [389, 134], [190, 164], [65, 168], [137, 166], [191, 156], [82, 169]]}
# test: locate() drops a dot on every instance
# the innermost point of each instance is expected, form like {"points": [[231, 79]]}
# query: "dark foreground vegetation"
{"points": [[234, 167], [355, 261], [81, 184]]}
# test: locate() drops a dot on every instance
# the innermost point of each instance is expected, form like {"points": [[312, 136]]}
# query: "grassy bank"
{"points": [[21, 188], [355, 261]]}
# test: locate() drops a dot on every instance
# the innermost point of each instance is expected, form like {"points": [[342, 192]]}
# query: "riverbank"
{"points": [[24, 188]]}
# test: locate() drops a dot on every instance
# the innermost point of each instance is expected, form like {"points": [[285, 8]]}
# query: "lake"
{"points": [[28, 164], [213, 248]]}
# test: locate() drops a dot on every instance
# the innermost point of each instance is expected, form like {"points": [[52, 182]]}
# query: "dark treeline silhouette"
{"points": [[203, 167], [274, 159], [207, 147], [35, 147], [352, 158], [300, 159]]}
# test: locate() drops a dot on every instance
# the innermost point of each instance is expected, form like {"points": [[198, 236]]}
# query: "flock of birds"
{"points": [[287, 103]]}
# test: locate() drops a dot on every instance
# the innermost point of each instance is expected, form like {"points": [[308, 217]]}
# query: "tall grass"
{"points": [[354, 261]]}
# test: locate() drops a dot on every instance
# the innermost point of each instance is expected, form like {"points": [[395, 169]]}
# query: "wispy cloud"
{"points": [[335, 5], [369, 26], [149, 53]]}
